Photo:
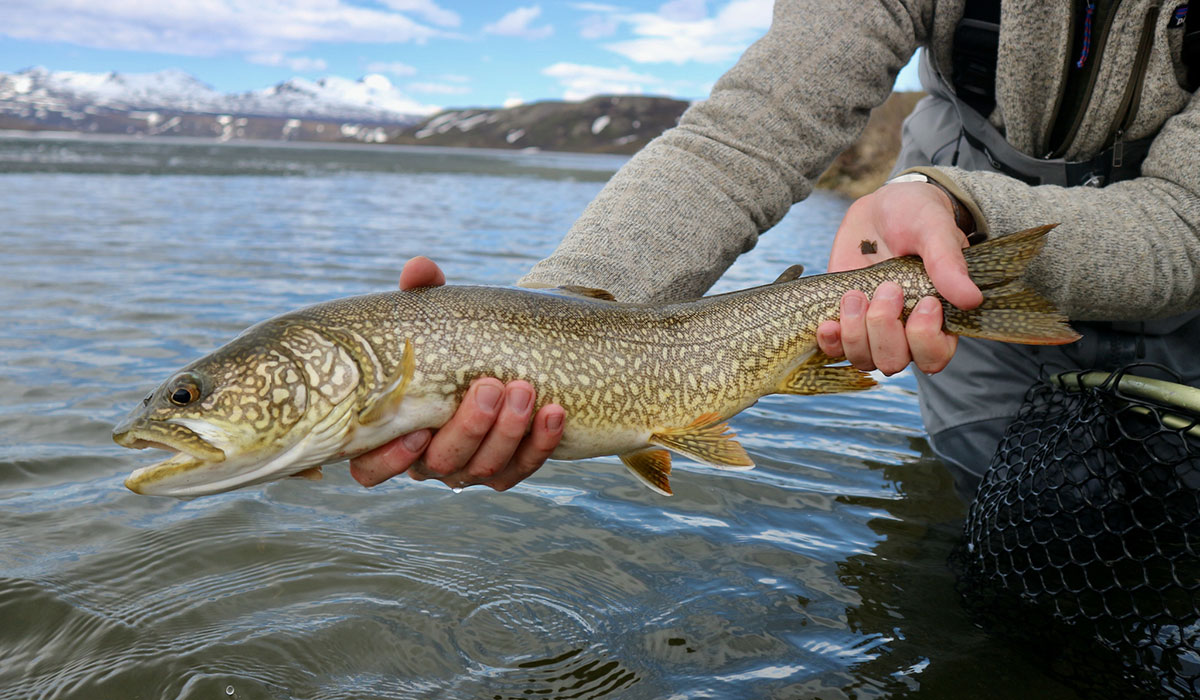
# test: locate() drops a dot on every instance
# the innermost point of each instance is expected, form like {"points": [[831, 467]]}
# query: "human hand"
{"points": [[484, 442], [903, 218]]}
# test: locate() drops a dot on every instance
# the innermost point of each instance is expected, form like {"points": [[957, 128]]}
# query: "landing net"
{"points": [[1083, 539]]}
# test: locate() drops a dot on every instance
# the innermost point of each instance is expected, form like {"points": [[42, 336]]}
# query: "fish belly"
{"points": [[415, 412], [584, 442]]}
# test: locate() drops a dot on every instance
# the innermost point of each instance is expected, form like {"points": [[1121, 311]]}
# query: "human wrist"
{"points": [[964, 220]]}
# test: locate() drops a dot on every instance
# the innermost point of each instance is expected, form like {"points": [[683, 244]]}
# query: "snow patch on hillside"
{"points": [[371, 98]]}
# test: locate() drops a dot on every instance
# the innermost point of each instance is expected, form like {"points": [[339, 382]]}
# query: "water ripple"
{"points": [[821, 570]]}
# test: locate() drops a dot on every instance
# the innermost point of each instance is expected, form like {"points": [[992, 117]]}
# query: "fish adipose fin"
{"points": [[793, 272], [588, 292], [1010, 312], [393, 392], [706, 440], [652, 467]]}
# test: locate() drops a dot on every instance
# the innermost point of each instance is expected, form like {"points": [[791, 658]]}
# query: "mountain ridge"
{"points": [[372, 110]]}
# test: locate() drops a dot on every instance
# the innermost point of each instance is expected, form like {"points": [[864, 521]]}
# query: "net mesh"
{"points": [[1082, 540]]}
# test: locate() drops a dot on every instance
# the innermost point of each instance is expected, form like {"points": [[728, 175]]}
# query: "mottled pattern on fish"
{"points": [[352, 373]]}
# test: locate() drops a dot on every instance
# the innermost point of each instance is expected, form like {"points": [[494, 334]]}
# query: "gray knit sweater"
{"points": [[676, 216]]}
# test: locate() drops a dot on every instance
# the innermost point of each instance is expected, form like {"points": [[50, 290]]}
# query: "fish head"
{"points": [[233, 418]]}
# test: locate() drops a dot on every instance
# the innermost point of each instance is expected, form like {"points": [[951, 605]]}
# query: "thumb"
{"points": [[421, 272], [942, 253]]}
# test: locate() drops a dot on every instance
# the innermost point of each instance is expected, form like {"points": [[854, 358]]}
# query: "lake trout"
{"points": [[335, 380]]}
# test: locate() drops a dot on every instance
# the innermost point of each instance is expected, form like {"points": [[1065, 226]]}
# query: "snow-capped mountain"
{"points": [[169, 89], [332, 109], [373, 98], [370, 99]]}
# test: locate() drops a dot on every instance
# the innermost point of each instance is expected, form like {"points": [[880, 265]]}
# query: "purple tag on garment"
{"points": [[1178, 17]]}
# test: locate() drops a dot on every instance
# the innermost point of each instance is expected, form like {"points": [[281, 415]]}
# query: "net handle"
{"points": [[1163, 393]]}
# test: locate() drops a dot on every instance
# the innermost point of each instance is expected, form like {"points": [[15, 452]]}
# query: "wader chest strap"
{"points": [[973, 63]]}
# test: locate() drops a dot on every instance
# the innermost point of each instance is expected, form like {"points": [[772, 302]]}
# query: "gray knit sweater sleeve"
{"points": [[1127, 252], [676, 216]]}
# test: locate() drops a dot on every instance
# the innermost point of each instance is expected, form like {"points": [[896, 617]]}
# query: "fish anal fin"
{"points": [[652, 467], [819, 359], [393, 392], [807, 380], [706, 440], [589, 292]]}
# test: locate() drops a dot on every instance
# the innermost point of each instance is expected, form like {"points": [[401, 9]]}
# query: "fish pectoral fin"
{"points": [[652, 467], [706, 440], [588, 292], [312, 474], [793, 272], [808, 379], [393, 392]]}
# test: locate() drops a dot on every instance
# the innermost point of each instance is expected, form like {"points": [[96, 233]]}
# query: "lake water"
{"points": [[819, 574]]}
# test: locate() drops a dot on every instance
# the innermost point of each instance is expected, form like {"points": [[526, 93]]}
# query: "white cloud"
{"points": [[581, 82], [427, 9], [684, 10], [439, 88], [299, 64], [516, 24], [391, 67], [598, 26], [593, 7], [208, 28], [513, 101], [682, 32]]}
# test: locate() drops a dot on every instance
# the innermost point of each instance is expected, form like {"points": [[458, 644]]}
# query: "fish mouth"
{"points": [[198, 468], [190, 454]]}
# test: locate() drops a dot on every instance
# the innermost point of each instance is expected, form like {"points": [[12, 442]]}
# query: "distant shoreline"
{"points": [[859, 170]]}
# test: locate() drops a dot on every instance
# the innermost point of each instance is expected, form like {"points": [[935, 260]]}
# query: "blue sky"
{"points": [[438, 53]]}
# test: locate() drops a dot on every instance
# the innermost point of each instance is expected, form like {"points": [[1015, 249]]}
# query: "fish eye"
{"points": [[184, 393]]}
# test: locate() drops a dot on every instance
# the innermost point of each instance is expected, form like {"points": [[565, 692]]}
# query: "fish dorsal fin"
{"points": [[652, 467], [393, 392], [706, 440], [588, 292], [793, 272], [818, 375]]}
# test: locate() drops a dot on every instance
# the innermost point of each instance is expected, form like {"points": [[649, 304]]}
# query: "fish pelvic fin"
{"points": [[311, 474], [652, 467], [706, 440], [393, 392], [1011, 312]]}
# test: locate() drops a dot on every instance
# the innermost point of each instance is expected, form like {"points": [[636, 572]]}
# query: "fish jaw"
{"points": [[246, 460], [183, 476]]}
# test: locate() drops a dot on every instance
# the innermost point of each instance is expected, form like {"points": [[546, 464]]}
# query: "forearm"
{"points": [[1129, 251], [679, 213]]}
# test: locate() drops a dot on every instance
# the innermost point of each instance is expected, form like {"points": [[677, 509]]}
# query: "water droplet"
{"points": [[229, 690], [457, 489]]}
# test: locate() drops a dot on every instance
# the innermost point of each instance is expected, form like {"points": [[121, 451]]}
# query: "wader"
{"points": [[967, 406]]}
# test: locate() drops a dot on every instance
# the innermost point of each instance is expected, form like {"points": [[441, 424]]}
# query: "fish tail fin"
{"points": [[1011, 311]]}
